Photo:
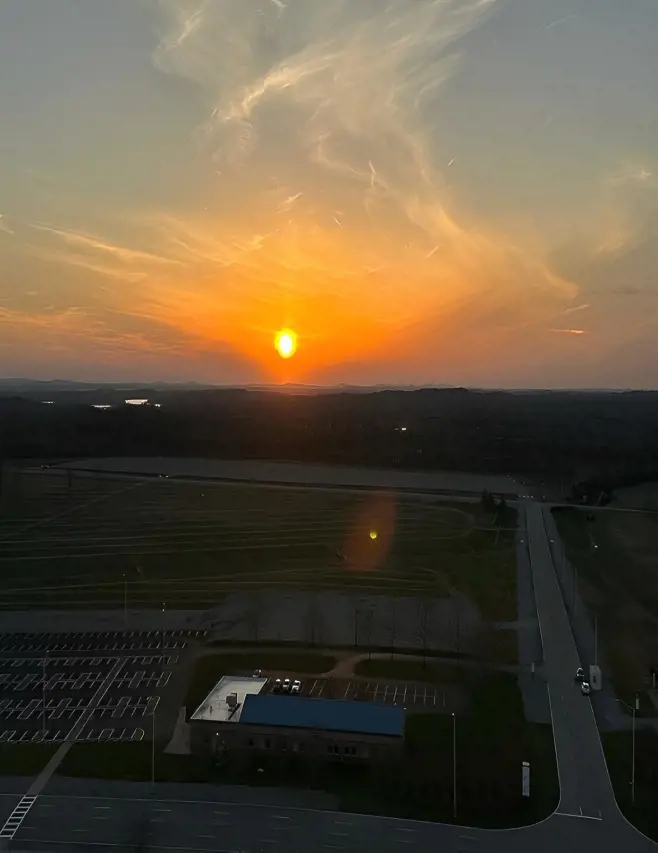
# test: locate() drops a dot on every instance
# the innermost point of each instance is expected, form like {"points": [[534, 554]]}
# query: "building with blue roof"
{"points": [[331, 729], [329, 715]]}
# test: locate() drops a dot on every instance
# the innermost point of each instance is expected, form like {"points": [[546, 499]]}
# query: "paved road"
{"points": [[587, 817]]}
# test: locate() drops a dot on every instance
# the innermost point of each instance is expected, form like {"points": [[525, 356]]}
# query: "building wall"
{"points": [[206, 737]]}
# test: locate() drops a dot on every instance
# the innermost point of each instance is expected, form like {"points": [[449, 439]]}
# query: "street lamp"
{"points": [[153, 711], [125, 599], [43, 692], [636, 707], [454, 765]]}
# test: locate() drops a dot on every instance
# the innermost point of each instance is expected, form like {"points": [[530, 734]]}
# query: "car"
{"points": [[257, 673], [580, 674], [585, 688], [296, 687], [276, 687], [286, 685]]}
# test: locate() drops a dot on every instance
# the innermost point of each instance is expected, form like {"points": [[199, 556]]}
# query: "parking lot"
{"points": [[404, 694], [98, 686]]}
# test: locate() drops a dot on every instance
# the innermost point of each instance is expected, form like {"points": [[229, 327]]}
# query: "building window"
{"points": [[250, 742], [267, 743]]}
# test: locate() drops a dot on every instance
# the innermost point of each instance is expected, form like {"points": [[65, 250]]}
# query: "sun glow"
{"points": [[285, 343]]}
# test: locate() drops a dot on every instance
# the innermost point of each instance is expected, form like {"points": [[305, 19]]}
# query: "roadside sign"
{"points": [[525, 779]]}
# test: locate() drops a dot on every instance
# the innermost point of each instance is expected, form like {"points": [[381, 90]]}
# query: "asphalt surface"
{"points": [[587, 817], [98, 685]]}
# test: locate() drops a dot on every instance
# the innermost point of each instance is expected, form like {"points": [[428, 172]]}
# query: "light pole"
{"points": [[153, 712], [43, 693], [636, 707], [125, 599], [454, 765]]}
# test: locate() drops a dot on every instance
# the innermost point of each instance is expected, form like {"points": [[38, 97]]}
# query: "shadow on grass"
{"points": [[618, 747]]}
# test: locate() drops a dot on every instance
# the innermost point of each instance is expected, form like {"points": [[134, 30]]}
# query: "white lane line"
{"points": [[103, 807], [579, 816], [280, 817]]}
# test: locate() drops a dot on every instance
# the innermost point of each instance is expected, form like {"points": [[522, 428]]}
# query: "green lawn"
{"points": [[618, 752], [492, 742], [132, 762], [616, 554], [210, 668], [431, 672], [25, 759], [64, 546]]}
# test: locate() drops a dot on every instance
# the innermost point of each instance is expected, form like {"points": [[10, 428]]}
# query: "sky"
{"points": [[445, 192]]}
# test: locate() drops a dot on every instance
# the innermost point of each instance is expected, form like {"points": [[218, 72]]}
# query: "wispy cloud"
{"points": [[575, 308], [4, 225], [569, 331], [124, 254]]}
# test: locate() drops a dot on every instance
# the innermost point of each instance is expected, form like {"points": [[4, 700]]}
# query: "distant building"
{"points": [[237, 718]]}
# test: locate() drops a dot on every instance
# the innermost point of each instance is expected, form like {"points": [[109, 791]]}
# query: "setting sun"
{"points": [[285, 343]]}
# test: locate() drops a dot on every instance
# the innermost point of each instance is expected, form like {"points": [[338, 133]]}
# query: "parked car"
{"points": [[276, 687], [296, 687], [257, 673], [585, 688], [286, 685]]}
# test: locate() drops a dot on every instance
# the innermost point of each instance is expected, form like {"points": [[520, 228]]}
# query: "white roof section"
{"points": [[215, 708]]}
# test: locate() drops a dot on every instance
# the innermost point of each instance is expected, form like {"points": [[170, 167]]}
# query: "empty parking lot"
{"points": [[84, 687]]}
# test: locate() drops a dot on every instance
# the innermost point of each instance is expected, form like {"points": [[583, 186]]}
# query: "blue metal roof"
{"points": [[334, 715]]}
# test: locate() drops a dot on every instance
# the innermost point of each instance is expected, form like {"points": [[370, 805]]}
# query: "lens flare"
{"points": [[285, 343]]}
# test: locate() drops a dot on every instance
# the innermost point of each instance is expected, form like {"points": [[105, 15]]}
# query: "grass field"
{"points": [[85, 542], [617, 560], [618, 748]]}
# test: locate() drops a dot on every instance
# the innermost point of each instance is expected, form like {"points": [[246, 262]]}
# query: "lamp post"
{"points": [[43, 693], [153, 712], [636, 707], [125, 599], [454, 765]]}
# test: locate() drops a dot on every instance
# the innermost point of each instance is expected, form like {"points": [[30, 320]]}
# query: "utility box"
{"points": [[232, 700], [595, 677]]}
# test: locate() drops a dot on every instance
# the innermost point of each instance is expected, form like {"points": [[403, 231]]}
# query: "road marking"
{"points": [[580, 816], [155, 810], [102, 807], [204, 836], [100, 817], [403, 829], [221, 813], [280, 817]]}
